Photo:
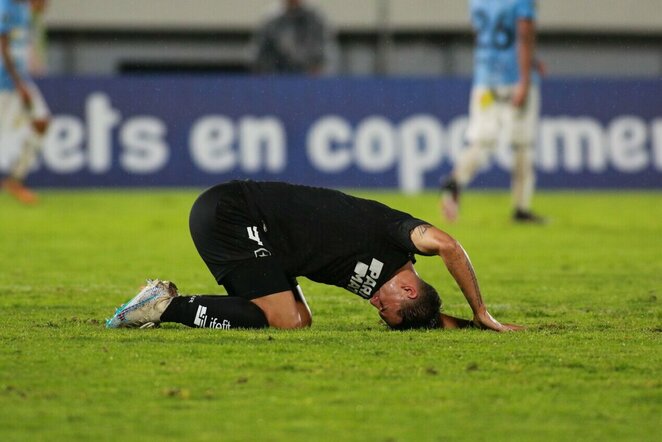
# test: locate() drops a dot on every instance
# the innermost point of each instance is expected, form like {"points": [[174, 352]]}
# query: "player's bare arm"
{"points": [[430, 240], [526, 38]]}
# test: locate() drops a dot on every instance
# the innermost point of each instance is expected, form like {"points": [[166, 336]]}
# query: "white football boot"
{"points": [[146, 308]]}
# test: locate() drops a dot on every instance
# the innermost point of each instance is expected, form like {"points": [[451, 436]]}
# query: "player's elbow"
{"points": [[448, 246], [443, 243]]}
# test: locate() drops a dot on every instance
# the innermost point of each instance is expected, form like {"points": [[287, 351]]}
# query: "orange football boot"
{"points": [[19, 191]]}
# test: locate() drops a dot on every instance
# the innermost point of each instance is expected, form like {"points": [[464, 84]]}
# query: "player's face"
{"points": [[388, 301]]}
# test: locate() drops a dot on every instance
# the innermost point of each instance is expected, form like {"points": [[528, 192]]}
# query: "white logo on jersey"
{"points": [[254, 235], [201, 320], [365, 278], [201, 316]]}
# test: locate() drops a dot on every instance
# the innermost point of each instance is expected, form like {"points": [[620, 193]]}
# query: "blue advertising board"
{"points": [[337, 132]]}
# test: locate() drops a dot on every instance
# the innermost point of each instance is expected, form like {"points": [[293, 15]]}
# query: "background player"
{"points": [[257, 237], [23, 111], [505, 96]]}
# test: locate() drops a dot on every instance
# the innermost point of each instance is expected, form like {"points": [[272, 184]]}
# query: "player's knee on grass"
{"points": [[265, 284], [281, 310]]}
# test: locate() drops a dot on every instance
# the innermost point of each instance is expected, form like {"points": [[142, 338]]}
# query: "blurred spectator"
{"points": [[295, 40]]}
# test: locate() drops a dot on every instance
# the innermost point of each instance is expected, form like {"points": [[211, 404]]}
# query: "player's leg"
{"points": [[481, 136], [214, 311], [259, 295], [14, 124], [159, 302], [279, 310], [522, 178], [37, 120], [6, 104], [263, 282], [523, 132]]}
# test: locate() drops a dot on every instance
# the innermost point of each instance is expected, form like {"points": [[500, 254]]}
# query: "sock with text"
{"points": [[210, 311]]}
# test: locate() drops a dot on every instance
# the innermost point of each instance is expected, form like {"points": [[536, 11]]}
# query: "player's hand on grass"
{"points": [[485, 321]]}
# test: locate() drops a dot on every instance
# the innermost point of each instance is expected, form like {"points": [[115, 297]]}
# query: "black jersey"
{"points": [[328, 236]]}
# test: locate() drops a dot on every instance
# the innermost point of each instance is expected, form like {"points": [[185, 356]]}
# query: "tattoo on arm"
{"points": [[463, 272], [422, 229], [474, 280]]}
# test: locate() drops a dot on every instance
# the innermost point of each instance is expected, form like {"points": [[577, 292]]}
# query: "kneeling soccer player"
{"points": [[257, 237]]}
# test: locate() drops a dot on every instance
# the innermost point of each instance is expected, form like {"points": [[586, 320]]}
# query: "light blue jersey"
{"points": [[495, 25], [15, 22]]}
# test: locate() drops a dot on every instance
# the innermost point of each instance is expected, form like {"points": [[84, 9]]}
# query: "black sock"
{"points": [[209, 311]]}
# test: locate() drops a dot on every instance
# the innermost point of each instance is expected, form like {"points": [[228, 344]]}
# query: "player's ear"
{"points": [[410, 291]]}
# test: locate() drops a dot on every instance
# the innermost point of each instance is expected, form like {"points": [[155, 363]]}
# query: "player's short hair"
{"points": [[422, 312]]}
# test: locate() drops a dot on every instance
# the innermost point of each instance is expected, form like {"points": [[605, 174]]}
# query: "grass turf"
{"points": [[588, 367]]}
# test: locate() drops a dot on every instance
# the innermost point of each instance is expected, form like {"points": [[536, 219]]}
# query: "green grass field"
{"points": [[588, 367]]}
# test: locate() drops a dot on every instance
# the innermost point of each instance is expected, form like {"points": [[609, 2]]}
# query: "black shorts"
{"points": [[233, 243]]}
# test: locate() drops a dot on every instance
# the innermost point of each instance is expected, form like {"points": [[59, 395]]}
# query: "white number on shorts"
{"points": [[254, 235]]}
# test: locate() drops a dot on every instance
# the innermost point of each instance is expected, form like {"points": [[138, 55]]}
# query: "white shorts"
{"points": [[13, 114], [491, 111], [15, 123]]}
